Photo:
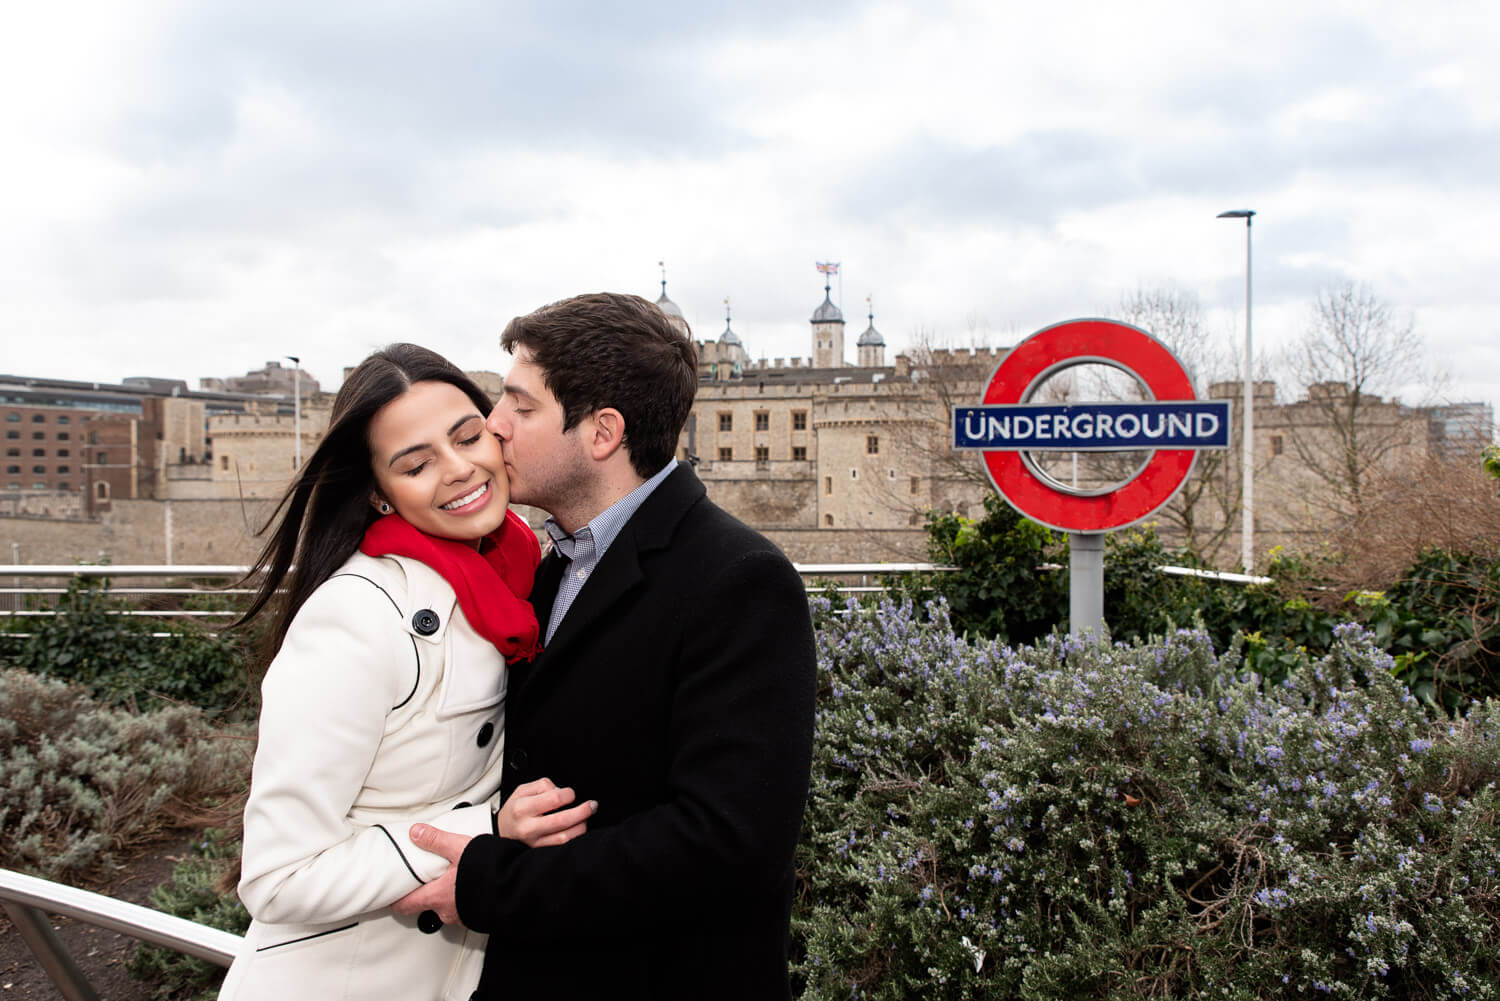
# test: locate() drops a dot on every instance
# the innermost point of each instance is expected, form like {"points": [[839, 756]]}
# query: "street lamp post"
{"points": [[296, 411], [1247, 489]]}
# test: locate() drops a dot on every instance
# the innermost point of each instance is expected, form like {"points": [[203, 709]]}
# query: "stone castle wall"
{"points": [[140, 532]]}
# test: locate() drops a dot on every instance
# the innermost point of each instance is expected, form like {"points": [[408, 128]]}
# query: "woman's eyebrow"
{"points": [[407, 451], [421, 445]]}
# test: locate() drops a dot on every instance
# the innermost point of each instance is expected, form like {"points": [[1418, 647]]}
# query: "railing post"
{"points": [[50, 952]]}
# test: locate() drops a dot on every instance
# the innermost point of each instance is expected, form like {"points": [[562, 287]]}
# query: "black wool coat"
{"points": [[678, 692]]}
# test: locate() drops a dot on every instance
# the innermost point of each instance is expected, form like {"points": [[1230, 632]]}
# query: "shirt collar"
{"points": [[606, 525]]}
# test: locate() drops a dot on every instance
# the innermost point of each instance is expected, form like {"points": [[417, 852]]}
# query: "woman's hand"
{"points": [[534, 814]]}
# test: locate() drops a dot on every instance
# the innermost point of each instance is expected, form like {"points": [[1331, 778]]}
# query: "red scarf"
{"points": [[491, 584]]}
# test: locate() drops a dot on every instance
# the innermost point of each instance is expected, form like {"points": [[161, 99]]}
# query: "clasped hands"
{"points": [[537, 813]]}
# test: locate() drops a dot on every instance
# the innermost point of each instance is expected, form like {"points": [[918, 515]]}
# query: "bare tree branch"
{"points": [[1344, 433]]}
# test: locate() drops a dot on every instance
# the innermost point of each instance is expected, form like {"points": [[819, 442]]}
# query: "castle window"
{"points": [[12, 434], [38, 419], [65, 419], [916, 485], [61, 470], [799, 453], [1277, 444], [224, 463], [38, 435], [62, 453], [39, 470], [726, 455], [103, 458], [62, 436], [762, 421], [38, 453], [726, 421], [101, 490], [799, 420], [828, 484], [912, 518], [853, 474], [828, 521], [12, 469], [762, 453], [12, 418], [872, 444]]}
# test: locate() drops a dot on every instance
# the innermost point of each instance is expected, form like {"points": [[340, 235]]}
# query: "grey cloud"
{"points": [[569, 75], [1029, 182]]}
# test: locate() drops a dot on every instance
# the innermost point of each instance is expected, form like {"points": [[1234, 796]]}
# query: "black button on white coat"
{"points": [[485, 733], [425, 622]]}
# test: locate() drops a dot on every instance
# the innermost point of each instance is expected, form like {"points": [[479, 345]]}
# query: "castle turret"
{"points": [[669, 307], [731, 351], [827, 327], [870, 347]]}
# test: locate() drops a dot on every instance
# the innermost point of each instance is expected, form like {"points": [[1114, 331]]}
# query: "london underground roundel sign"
{"points": [[1171, 423]]}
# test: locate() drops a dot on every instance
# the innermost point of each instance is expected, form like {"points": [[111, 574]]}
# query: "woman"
{"points": [[384, 703]]}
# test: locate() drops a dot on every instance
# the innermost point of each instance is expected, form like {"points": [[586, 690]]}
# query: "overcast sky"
{"points": [[191, 189]]}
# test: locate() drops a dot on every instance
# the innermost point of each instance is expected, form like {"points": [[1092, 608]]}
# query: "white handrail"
{"points": [[211, 944], [119, 570], [28, 900]]}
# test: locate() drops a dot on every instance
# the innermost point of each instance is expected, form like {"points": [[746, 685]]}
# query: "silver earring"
{"points": [[385, 508]]}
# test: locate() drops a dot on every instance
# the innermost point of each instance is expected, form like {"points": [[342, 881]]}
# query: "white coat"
{"points": [[383, 708]]}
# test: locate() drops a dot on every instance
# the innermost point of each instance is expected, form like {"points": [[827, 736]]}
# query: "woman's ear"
{"points": [[379, 503]]}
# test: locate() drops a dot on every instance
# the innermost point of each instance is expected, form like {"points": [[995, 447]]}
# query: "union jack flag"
{"points": [[828, 267]]}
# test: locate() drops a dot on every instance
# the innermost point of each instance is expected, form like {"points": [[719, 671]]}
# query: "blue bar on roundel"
{"points": [[1093, 427]]}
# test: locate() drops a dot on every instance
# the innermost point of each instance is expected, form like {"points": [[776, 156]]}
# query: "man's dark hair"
{"points": [[608, 350]]}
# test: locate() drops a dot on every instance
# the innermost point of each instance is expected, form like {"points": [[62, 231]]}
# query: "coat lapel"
{"points": [[619, 572]]}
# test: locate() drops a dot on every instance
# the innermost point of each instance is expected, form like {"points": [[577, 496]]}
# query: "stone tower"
{"points": [[827, 332], [870, 347]]}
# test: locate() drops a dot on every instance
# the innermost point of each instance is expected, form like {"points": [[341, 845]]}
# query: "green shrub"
{"points": [[1442, 623], [192, 893], [1440, 620], [79, 781], [121, 662], [1130, 821], [999, 588]]}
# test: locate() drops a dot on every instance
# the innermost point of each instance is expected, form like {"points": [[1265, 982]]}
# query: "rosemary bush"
{"points": [[194, 893], [79, 780], [1076, 820]]}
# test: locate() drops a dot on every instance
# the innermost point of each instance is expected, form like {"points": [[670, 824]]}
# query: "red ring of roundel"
{"points": [[1162, 476]]}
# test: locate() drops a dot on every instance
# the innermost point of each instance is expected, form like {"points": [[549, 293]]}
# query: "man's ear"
{"points": [[608, 432]]}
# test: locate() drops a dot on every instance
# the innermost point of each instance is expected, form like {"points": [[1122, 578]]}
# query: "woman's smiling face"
{"points": [[435, 463]]}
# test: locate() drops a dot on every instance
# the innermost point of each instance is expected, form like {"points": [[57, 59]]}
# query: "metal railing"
{"points": [[28, 900], [847, 578]]}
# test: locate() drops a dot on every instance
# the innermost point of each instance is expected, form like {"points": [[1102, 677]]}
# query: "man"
{"points": [[675, 689]]}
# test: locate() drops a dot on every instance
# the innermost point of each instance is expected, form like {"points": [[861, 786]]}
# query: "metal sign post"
{"points": [[1172, 424]]}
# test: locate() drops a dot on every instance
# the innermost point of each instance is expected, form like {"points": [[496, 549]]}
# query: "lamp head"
{"points": [[1236, 214]]}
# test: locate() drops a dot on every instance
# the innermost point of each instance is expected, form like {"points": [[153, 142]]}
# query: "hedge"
{"points": [[1082, 820]]}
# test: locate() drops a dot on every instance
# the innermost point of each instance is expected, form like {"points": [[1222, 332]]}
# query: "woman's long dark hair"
{"points": [[322, 517]]}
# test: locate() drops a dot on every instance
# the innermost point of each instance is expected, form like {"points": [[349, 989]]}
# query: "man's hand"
{"points": [[437, 895], [528, 815]]}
